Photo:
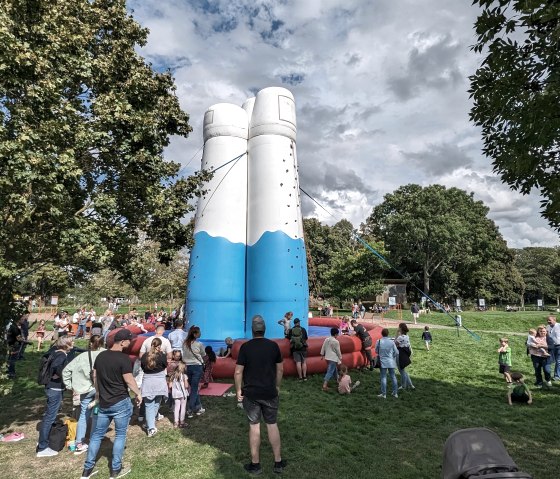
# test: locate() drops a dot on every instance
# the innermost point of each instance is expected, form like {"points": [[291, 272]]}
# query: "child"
{"points": [[331, 352], [176, 359], [520, 392], [226, 353], [504, 359], [179, 385], [427, 337], [209, 361], [41, 334], [286, 322], [532, 343], [345, 385], [344, 325]]}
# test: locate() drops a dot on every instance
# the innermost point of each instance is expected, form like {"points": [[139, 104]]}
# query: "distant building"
{"points": [[393, 287]]}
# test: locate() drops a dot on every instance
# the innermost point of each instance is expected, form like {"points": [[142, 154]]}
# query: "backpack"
{"points": [[297, 342], [44, 375], [57, 436]]}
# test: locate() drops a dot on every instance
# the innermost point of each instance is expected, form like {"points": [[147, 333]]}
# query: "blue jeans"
{"points": [[54, 400], [405, 379], [541, 364], [332, 372], [194, 373], [384, 380], [152, 408], [85, 414], [81, 331], [120, 413], [555, 359]]}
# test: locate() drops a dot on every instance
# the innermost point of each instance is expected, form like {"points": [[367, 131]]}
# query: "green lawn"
{"points": [[328, 436]]}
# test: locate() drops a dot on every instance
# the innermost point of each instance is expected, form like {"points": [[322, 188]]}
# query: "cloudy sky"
{"points": [[380, 88]]}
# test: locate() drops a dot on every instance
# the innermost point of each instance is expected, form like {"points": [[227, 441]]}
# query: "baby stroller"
{"points": [[478, 452]]}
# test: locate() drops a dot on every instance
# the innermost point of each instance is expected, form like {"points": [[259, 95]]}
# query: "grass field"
{"points": [[328, 436]]}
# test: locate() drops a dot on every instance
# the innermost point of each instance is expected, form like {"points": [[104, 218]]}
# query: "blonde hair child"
{"points": [[179, 385], [345, 385]]}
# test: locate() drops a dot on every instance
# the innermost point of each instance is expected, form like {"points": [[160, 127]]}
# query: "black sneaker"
{"points": [[254, 469], [123, 471], [87, 473], [279, 466]]}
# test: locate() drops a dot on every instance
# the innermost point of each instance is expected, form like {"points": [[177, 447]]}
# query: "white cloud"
{"points": [[380, 88]]}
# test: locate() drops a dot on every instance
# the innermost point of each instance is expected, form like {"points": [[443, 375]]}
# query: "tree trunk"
{"points": [[426, 281]]}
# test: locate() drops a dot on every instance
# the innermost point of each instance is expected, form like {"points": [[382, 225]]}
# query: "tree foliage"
{"points": [[84, 122], [516, 93], [442, 240], [540, 268]]}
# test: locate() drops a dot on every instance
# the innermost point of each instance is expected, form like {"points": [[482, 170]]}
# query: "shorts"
{"points": [[504, 368], [255, 408], [299, 356], [524, 398]]}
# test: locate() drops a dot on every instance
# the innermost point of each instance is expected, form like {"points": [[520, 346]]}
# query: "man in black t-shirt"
{"points": [[113, 377], [258, 374], [365, 338], [15, 340]]}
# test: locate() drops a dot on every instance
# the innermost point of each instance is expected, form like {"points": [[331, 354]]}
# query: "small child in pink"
{"points": [[345, 385], [179, 385]]}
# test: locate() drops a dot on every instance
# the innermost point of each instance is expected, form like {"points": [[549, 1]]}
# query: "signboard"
{"points": [[392, 300], [482, 302], [458, 303], [539, 303], [54, 300], [423, 299]]}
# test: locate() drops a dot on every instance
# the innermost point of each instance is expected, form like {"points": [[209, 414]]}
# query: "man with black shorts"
{"points": [[298, 346], [112, 373], [258, 374], [365, 338]]}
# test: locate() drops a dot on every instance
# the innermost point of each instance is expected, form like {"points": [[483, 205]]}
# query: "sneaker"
{"points": [[382, 396], [254, 469], [395, 395], [87, 473], [48, 452], [400, 388], [412, 387], [357, 383], [80, 449], [152, 432], [549, 384], [305, 378], [279, 466], [159, 417], [240, 404], [123, 471], [538, 386], [200, 412], [190, 414], [13, 437], [230, 394]]}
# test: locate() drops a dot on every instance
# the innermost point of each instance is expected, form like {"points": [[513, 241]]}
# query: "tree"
{"points": [[84, 122], [539, 268], [516, 93], [438, 233]]}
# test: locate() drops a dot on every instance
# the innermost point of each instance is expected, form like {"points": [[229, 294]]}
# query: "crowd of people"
{"points": [[173, 369]]}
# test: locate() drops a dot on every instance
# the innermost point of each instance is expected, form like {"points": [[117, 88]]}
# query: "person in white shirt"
{"points": [[331, 352], [177, 336], [165, 344]]}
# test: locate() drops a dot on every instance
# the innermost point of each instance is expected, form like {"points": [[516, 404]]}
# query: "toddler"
{"points": [[531, 343], [345, 385], [179, 385], [345, 325], [519, 392], [226, 353], [427, 337], [209, 361], [176, 359], [504, 359]]}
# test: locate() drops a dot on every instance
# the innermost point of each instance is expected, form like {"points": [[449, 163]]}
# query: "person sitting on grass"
{"points": [[345, 385], [504, 359], [519, 392], [331, 352]]}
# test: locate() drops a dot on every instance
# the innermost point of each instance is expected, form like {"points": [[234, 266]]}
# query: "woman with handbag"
{"points": [[154, 382], [78, 377], [402, 342], [193, 356]]}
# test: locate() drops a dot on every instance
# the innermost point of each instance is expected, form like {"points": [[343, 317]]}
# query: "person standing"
{"points": [[404, 347], [388, 354], [298, 346], [415, 310], [330, 350], [177, 336], [285, 322], [54, 390], [154, 383], [14, 339], [112, 372], [165, 344], [553, 341], [539, 357], [193, 356], [258, 375]]}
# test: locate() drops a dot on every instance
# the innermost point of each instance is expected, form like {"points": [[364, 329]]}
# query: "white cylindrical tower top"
{"points": [[274, 113], [226, 119]]}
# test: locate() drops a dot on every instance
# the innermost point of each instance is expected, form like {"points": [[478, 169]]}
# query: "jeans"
{"points": [[384, 380], [81, 333], [555, 359], [120, 413], [194, 373], [85, 414], [12, 358], [54, 400], [541, 364], [152, 408], [332, 372], [405, 379]]}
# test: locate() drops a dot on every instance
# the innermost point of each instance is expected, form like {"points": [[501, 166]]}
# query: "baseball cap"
{"points": [[123, 335], [258, 325], [296, 320]]}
